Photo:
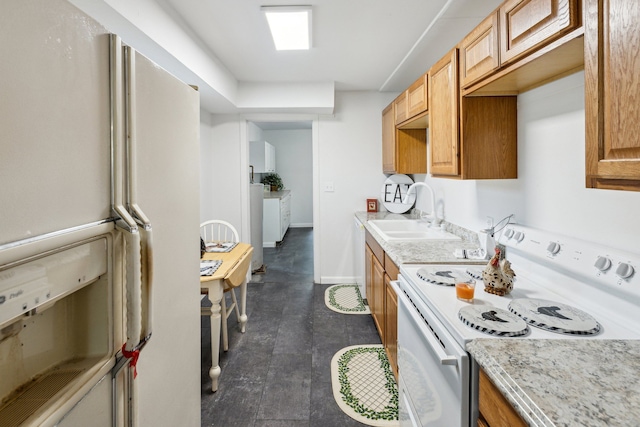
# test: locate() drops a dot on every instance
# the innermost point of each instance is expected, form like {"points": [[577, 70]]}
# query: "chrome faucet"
{"points": [[433, 218]]}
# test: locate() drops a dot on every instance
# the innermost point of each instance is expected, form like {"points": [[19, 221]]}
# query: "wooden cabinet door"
{"points": [[479, 51], [400, 108], [444, 115], [494, 408], [388, 139], [391, 325], [612, 91], [368, 279], [526, 25], [417, 99], [377, 285], [403, 150]]}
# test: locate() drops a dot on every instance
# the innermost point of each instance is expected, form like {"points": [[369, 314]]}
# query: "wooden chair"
{"points": [[221, 231]]}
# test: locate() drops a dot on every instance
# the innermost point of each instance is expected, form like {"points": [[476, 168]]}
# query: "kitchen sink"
{"points": [[409, 229]]}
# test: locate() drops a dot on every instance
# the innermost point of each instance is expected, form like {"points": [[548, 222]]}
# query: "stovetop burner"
{"points": [[443, 276], [555, 317], [493, 321]]}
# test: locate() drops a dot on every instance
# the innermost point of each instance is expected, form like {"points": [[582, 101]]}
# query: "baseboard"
{"points": [[268, 244], [301, 225], [336, 280]]}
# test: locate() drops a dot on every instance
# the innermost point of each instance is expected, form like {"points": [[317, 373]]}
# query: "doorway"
{"points": [[295, 144]]}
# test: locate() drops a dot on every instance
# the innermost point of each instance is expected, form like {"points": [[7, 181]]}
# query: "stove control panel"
{"points": [[580, 258]]}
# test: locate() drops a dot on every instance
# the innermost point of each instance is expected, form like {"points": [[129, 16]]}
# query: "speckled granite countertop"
{"points": [[276, 194], [565, 382], [423, 252]]}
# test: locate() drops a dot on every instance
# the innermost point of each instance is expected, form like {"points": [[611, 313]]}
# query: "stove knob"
{"points": [[624, 271], [508, 233], [519, 236], [602, 263], [553, 248]]}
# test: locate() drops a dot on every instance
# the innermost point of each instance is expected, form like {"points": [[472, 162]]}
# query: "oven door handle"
{"points": [[443, 357]]}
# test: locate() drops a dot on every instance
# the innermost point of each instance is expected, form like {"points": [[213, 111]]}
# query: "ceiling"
{"points": [[379, 45]]}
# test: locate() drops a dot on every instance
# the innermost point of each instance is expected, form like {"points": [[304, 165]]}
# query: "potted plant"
{"points": [[273, 180]]}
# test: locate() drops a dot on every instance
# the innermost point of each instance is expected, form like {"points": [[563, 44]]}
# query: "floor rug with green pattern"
{"points": [[345, 299], [364, 386]]}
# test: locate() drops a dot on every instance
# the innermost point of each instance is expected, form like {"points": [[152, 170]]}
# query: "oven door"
{"points": [[433, 368]]}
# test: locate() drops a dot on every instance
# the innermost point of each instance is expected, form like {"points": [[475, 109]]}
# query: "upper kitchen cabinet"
{"points": [[444, 115], [470, 137], [403, 150], [527, 24], [412, 105], [400, 108], [417, 101], [612, 90], [262, 156], [479, 51], [524, 44]]}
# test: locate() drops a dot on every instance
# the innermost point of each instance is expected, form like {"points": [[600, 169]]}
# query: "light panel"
{"points": [[290, 26]]}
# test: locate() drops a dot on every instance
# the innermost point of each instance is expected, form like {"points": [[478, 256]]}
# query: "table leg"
{"points": [[243, 306], [215, 295]]}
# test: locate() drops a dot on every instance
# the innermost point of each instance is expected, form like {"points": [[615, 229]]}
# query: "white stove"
{"points": [[571, 278], [564, 288]]}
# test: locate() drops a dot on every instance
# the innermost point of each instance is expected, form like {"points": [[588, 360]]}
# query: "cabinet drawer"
{"points": [[479, 51], [526, 25], [391, 268]]}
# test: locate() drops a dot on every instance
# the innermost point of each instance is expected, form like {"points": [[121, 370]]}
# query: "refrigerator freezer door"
{"points": [[166, 127], [54, 119]]}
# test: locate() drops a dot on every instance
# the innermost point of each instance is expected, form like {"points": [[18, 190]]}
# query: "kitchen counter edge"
{"points": [[276, 194]]}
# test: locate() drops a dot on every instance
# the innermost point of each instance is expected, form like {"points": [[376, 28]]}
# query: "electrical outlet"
{"points": [[489, 222], [328, 187]]}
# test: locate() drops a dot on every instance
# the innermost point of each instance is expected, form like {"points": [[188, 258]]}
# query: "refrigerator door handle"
{"points": [[134, 209]]}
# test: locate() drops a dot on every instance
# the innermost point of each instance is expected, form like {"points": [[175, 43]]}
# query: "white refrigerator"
{"points": [[99, 227]]}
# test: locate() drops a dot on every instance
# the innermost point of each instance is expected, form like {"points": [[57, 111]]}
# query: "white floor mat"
{"points": [[345, 299], [364, 386]]}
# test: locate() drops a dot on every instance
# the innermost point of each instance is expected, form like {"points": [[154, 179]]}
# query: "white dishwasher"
{"points": [[358, 256]]}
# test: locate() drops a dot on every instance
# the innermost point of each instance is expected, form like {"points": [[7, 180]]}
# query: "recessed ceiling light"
{"points": [[290, 26]]}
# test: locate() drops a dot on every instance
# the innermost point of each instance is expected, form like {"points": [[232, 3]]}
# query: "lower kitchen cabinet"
{"points": [[495, 410], [383, 303], [276, 217]]}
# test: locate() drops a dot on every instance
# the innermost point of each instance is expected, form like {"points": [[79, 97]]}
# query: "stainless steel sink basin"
{"points": [[409, 229]]}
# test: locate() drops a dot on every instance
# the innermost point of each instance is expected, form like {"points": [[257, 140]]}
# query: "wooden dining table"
{"points": [[231, 273]]}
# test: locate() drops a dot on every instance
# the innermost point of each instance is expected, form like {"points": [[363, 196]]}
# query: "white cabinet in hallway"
{"points": [[262, 156], [276, 217]]}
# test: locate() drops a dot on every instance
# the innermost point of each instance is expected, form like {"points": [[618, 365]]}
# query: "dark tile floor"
{"points": [[277, 374]]}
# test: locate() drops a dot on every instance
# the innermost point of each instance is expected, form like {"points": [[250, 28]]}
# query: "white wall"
{"points": [[222, 171], [550, 192], [294, 164], [207, 176], [350, 156]]}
